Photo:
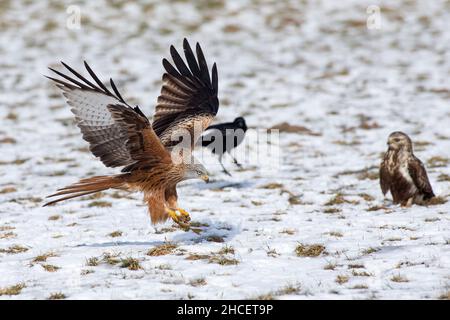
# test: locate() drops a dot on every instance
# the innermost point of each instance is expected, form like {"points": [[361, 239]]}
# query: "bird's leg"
{"points": [[236, 162], [223, 168]]}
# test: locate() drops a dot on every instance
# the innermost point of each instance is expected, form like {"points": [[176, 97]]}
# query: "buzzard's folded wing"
{"points": [[188, 98], [419, 175], [385, 178], [120, 135]]}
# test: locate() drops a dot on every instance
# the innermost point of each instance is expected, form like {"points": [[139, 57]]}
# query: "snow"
{"points": [[309, 63]]}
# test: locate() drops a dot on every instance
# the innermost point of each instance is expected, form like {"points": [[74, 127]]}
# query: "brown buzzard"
{"points": [[122, 136], [403, 174]]}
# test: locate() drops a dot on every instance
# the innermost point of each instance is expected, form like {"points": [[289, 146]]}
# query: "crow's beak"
{"points": [[205, 178]]}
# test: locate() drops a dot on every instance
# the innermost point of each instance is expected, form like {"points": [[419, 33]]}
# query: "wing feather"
{"points": [[188, 96], [419, 175], [121, 136]]}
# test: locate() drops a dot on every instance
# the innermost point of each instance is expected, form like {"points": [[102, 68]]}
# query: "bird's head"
{"points": [[240, 123], [399, 141], [196, 171]]}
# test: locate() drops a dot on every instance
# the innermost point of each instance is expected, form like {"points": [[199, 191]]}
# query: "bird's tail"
{"points": [[88, 186]]}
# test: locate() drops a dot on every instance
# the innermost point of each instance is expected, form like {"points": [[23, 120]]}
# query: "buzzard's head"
{"points": [[399, 141]]}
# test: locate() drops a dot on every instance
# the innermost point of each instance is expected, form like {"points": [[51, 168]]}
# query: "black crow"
{"points": [[232, 134]]}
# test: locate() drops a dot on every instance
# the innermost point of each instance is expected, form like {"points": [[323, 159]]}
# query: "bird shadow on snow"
{"points": [[120, 243]]}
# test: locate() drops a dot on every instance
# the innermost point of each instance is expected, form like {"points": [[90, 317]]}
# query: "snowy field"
{"points": [[319, 228]]}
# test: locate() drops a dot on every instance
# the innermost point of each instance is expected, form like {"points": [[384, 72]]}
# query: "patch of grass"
{"points": [[215, 238], [196, 256], [436, 201], [110, 258], [267, 296], [223, 261], [289, 128], [130, 263], [360, 286], [226, 250], [445, 296], [437, 162], [376, 208], [50, 267], [355, 266], [361, 273], [332, 210], [162, 250], [86, 271], [54, 217], [366, 197], [330, 266], [336, 234], [12, 290], [272, 186], [288, 231], [101, 204], [444, 177], [92, 262], [341, 279], [15, 249], [8, 190], [164, 266], [289, 289], [370, 250], [6, 228], [313, 250], [8, 235], [43, 257], [399, 278], [115, 234], [339, 199], [57, 296], [198, 282]]}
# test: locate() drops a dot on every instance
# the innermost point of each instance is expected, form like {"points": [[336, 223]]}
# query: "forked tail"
{"points": [[88, 186]]}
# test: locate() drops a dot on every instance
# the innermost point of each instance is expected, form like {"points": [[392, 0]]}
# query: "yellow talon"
{"points": [[173, 215], [184, 213], [183, 223]]}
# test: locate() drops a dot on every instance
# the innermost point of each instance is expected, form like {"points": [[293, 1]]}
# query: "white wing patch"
{"points": [[90, 107]]}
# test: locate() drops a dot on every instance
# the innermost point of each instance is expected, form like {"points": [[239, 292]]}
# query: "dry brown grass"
{"points": [[101, 204], [341, 279], [437, 162], [50, 267], [399, 278], [57, 296], [12, 290], [340, 199], [198, 282], [115, 234], [223, 261], [131, 264], [15, 249], [162, 250], [312, 250], [436, 201], [43, 257]]}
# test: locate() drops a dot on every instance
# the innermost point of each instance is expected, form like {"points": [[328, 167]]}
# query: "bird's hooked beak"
{"points": [[205, 178]]}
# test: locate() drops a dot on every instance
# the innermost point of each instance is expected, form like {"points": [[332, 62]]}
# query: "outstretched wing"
{"points": [[188, 98], [419, 175], [120, 135], [385, 177]]}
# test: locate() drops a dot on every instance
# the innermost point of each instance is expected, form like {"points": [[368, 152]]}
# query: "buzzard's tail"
{"points": [[88, 186]]}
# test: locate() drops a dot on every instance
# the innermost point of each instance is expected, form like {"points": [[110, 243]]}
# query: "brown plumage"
{"points": [[403, 174], [122, 136]]}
